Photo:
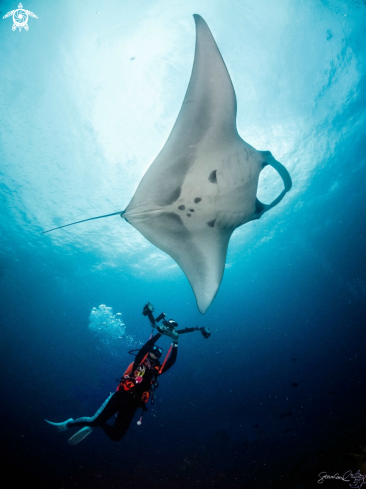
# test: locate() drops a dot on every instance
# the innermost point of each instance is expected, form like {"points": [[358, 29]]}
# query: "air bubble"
{"points": [[108, 328]]}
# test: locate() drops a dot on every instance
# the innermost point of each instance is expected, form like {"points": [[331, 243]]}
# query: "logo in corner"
{"points": [[20, 18]]}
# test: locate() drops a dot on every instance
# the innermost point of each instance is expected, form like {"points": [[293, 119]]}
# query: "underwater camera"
{"points": [[171, 324]]}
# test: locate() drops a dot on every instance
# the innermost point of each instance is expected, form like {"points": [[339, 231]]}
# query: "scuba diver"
{"points": [[136, 386]]}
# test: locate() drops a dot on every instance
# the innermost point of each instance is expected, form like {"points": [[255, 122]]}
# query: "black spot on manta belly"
{"points": [[211, 223], [189, 215], [197, 199], [181, 207], [212, 178], [191, 210]]}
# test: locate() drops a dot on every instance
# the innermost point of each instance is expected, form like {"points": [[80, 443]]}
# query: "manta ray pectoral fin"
{"points": [[199, 251], [176, 203], [84, 220], [284, 174]]}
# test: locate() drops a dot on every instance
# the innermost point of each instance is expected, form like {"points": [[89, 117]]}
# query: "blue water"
{"points": [[88, 96]]}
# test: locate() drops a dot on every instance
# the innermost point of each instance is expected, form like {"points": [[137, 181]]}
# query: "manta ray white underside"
{"points": [[203, 183]]}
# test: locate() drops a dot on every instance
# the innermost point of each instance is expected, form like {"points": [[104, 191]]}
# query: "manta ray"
{"points": [[203, 183]]}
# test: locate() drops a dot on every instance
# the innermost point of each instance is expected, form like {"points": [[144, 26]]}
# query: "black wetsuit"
{"points": [[123, 402]]}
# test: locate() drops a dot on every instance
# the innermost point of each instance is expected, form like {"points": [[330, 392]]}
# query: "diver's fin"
{"points": [[61, 426], [80, 435], [84, 220]]}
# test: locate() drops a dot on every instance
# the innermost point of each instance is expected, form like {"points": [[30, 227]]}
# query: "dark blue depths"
{"points": [[278, 384]]}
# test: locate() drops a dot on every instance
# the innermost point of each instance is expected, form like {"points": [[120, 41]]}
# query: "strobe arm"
{"points": [[205, 332], [187, 330]]}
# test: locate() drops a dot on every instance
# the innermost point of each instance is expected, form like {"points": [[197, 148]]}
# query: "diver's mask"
{"points": [[157, 351]]}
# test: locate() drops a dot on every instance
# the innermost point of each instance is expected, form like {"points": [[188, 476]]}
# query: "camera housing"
{"points": [[171, 324]]}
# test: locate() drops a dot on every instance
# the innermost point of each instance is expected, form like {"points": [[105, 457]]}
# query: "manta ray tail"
{"points": [[84, 220]]}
